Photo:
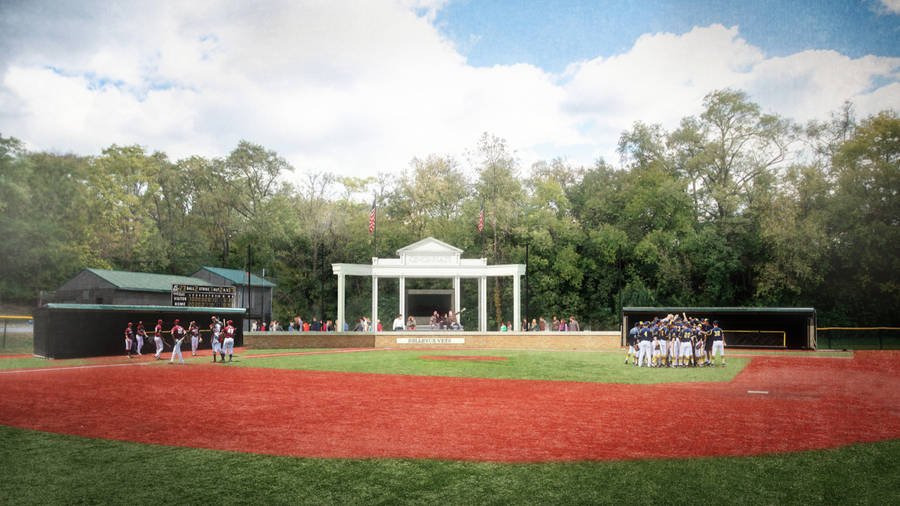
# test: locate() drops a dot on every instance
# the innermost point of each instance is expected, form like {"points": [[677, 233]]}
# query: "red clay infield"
{"points": [[812, 403]]}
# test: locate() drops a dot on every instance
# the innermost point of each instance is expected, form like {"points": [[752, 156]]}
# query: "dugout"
{"points": [[745, 327], [63, 331]]}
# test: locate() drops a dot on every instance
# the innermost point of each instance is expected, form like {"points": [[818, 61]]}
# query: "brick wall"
{"points": [[295, 340], [524, 340]]}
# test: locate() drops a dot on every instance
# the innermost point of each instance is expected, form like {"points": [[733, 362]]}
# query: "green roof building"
{"points": [[251, 291], [120, 288]]}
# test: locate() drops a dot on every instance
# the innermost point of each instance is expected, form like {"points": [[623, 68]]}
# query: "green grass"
{"points": [[524, 365], [250, 353], [46, 469], [19, 343]]}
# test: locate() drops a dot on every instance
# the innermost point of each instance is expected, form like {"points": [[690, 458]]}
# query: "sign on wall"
{"points": [[202, 296]]}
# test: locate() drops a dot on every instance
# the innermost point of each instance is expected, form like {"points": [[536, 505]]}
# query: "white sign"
{"points": [[431, 340], [429, 259]]}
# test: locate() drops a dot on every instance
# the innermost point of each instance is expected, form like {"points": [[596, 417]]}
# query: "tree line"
{"points": [[735, 207]]}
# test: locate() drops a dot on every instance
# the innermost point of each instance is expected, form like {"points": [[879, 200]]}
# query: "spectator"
{"points": [[305, 326], [435, 320], [316, 326], [411, 323], [542, 326], [378, 328], [398, 322], [573, 325]]}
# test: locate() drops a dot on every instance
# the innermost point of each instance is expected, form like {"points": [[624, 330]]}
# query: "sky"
{"points": [[358, 87]]}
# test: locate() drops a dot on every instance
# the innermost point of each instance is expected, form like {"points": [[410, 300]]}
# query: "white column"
{"points": [[374, 302], [482, 304], [456, 293], [403, 300], [517, 311], [339, 324]]}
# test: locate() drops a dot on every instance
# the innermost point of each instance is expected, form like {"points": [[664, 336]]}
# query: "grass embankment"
{"points": [[46, 469]]}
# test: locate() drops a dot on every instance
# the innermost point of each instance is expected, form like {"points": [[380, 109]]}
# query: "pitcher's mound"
{"points": [[460, 357]]}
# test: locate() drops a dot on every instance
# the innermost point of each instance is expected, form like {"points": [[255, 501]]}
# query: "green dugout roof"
{"points": [[749, 310], [149, 309]]}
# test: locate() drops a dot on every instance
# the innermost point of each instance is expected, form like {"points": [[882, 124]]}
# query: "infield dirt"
{"points": [[777, 404]]}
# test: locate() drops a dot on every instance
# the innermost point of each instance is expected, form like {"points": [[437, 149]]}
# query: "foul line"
{"points": [[70, 367]]}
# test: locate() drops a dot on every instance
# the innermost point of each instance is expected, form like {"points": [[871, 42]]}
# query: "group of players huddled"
{"points": [[676, 342], [222, 339]]}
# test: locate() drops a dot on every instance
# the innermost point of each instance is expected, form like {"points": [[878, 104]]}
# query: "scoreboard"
{"points": [[202, 296]]}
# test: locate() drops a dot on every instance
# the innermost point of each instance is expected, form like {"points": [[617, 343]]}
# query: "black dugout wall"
{"points": [[63, 331], [757, 327]]}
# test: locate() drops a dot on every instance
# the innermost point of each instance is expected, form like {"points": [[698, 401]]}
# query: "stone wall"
{"points": [[522, 340]]}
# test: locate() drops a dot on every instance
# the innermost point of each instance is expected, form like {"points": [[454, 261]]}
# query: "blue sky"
{"points": [[357, 87], [553, 34]]}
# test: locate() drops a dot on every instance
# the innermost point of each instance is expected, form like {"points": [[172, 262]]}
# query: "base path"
{"points": [[777, 404]]}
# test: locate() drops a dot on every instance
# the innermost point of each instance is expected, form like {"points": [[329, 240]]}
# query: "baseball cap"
{"points": [[176, 321], [158, 321], [129, 324], [716, 322]]}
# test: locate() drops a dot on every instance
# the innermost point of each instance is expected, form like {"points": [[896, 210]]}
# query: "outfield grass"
{"points": [[594, 367], [46, 469]]}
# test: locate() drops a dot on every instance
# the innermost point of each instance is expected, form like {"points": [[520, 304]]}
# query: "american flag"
{"points": [[481, 218], [372, 218]]}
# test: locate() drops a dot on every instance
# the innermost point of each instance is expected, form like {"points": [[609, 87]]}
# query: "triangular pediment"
{"points": [[431, 246]]}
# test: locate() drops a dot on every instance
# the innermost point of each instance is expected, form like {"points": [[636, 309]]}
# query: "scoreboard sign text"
{"points": [[202, 296]]}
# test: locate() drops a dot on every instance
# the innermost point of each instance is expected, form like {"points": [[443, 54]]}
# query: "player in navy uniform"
{"points": [[686, 350], [632, 344], [645, 336], [718, 344]]}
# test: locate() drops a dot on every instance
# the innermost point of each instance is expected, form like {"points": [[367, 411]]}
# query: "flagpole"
{"points": [[481, 226], [375, 239], [372, 228]]}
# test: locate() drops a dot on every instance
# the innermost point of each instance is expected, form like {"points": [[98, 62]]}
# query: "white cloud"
{"points": [[357, 87], [892, 6]]}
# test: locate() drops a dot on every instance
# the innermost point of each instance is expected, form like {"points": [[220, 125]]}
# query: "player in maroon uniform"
{"points": [[129, 338], [228, 343], [157, 338], [178, 335], [140, 334], [194, 331]]}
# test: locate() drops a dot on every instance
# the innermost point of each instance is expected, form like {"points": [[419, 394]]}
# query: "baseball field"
{"points": [[450, 427]]}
